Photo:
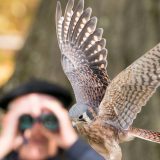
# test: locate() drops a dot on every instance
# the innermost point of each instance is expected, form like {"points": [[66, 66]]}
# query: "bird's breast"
{"points": [[97, 132]]}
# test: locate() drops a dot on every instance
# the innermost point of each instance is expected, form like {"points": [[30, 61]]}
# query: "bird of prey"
{"points": [[104, 109]]}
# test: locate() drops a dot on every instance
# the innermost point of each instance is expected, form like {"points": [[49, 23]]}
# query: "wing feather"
{"points": [[67, 19], [75, 17], [88, 29], [98, 46], [131, 90], [83, 52], [83, 19]]}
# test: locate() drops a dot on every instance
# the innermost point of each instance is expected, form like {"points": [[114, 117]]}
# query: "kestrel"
{"points": [[104, 109]]}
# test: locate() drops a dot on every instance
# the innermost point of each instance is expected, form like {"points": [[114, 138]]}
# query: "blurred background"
{"points": [[29, 49]]}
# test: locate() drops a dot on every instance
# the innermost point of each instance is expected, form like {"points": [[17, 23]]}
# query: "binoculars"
{"points": [[49, 121]]}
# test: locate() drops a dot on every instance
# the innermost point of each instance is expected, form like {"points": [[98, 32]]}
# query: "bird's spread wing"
{"points": [[131, 89], [83, 52]]}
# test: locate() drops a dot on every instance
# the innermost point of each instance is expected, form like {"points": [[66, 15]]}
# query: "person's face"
{"points": [[36, 146]]}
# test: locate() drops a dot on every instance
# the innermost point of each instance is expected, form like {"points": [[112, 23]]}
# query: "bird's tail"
{"points": [[145, 134]]}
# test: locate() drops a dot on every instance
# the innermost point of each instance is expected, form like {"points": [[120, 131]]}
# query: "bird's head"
{"points": [[78, 114]]}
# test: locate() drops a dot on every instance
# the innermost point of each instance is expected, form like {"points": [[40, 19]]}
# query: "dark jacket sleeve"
{"points": [[82, 151], [11, 156]]}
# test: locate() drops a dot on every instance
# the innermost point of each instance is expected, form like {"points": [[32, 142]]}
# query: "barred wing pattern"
{"points": [[131, 89], [83, 53]]}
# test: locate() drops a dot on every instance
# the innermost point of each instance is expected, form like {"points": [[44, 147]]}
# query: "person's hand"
{"points": [[10, 139], [66, 136]]}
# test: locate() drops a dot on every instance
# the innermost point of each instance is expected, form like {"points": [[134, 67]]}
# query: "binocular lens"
{"points": [[48, 120], [25, 122]]}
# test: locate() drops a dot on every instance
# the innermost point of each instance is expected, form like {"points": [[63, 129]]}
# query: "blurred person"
{"points": [[36, 125]]}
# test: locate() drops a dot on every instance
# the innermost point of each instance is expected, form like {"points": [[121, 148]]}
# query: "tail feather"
{"points": [[145, 134]]}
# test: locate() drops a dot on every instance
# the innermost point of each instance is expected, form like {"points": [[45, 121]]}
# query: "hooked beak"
{"points": [[74, 124]]}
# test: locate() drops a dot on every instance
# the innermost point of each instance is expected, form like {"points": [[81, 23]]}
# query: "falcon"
{"points": [[105, 109]]}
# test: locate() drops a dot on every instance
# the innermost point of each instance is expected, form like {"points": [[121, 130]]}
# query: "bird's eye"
{"points": [[81, 117]]}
